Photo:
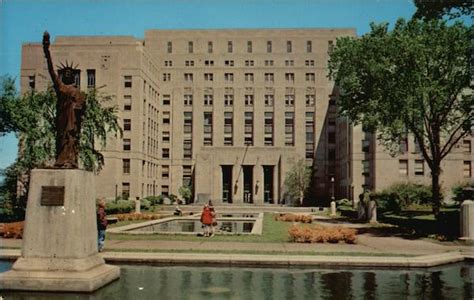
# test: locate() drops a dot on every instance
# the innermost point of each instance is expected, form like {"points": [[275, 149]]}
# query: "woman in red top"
{"points": [[206, 220]]}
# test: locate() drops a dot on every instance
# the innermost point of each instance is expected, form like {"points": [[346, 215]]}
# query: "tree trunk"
{"points": [[435, 187]]}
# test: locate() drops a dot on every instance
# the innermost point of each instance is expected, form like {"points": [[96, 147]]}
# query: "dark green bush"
{"points": [[155, 200], [121, 207], [457, 191], [399, 196]]}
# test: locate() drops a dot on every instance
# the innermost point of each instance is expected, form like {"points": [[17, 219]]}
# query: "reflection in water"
{"points": [[178, 282]]}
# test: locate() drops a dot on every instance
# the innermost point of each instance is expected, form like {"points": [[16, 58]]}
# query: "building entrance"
{"points": [[227, 184], [248, 184], [268, 184]]}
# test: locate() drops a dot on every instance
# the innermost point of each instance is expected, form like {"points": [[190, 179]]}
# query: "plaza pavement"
{"points": [[369, 251]]}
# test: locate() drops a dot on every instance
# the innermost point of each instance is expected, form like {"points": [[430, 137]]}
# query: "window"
{"points": [[165, 136], [309, 128], [289, 100], [249, 63], [168, 63], [166, 117], [309, 63], [466, 146], [188, 77], [309, 46], [229, 47], [268, 63], [91, 79], [229, 77], [289, 129], [165, 190], [127, 124], [269, 99], [187, 175], [166, 76], [229, 63], [207, 128], [127, 144], [190, 47], [228, 128], [187, 149], [189, 63], [269, 46], [208, 99], [290, 77], [170, 47], [289, 62], [467, 171], [249, 46], [310, 77], [269, 77], [32, 82], [210, 47], [248, 128], [419, 167], [268, 136], [125, 190], [310, 100], [165, 154], [188, 99], [366, 168], [249, 77], [165, 171], [228, 100], [127, 102], [365, 145], [188, 122], [209, 63], [208, 77], [332, 137], [403, 167], [127, 82], [289, 46], [126, 166], [166, 99], [248, 100]]}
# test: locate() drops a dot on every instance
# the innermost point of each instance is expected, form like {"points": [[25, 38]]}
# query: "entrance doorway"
{"points": [[248, 184], [226, 184], [268, 184]]}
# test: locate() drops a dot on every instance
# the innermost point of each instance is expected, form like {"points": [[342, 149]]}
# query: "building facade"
{"points": [[227, 112]]}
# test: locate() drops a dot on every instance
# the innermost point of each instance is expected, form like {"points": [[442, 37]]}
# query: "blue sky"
{"points": [[25, 21]]}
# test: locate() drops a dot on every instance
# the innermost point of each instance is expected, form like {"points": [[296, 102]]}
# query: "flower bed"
{"points": [[294, 218], [12, 230], [321, 234], [137, 216]]}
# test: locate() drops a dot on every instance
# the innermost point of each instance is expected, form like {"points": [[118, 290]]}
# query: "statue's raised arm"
{"points": [[47, 54]]}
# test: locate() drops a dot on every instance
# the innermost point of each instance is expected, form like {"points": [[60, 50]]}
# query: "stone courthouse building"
{"points": [[229, 112]]}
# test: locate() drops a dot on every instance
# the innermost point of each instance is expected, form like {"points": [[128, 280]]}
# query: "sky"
{"points": [[24, 21]]}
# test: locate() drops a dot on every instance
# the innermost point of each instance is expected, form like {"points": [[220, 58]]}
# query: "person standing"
{"points": [[213, 214], [206, 220], [101, 224]]}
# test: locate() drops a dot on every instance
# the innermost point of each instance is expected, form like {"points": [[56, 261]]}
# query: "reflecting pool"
{"points": [[179, 282], [195, 226]]}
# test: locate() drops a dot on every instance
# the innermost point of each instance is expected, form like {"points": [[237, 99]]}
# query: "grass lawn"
{"points": [[273, 232]]}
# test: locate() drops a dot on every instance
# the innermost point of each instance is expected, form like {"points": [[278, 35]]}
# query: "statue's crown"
{"points": [[68, 66]]}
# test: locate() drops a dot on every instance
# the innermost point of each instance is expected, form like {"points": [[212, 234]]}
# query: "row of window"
{"points": [[247, 63], [249, 49], [77, 79], [248, 77]]}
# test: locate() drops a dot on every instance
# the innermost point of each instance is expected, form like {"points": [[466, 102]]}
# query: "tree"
{"points": [[185, 193], [32, 117], [429, 9], [413, 79], [297, 180]]}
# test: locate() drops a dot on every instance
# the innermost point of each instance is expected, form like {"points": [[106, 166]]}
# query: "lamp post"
{"points": [[153, 188], [116, 192], [333, 203], [332, 188]]}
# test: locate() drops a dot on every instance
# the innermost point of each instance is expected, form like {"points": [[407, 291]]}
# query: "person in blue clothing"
{"points": [[101, 224]]}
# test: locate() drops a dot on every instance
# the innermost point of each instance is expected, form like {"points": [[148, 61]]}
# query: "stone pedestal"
{"points": [[372, 212], [59, 251], [467, 221], [137, 206], [333, 209]]}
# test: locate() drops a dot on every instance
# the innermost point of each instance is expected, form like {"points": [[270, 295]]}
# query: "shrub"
{"points": [[155, 200], [457, 190], [145, 204], [402, 195], [321, 234], [344, 202], [294, 218], [122, 206]]}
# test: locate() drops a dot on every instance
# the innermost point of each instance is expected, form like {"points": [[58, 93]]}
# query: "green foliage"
{"points": [[145, 204], [413, 79], [185, 193], [121, 207], [344, 202], [457, 191], [297, 180], [401, 196], [436, 9], [12, 208], [155, 200]]}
